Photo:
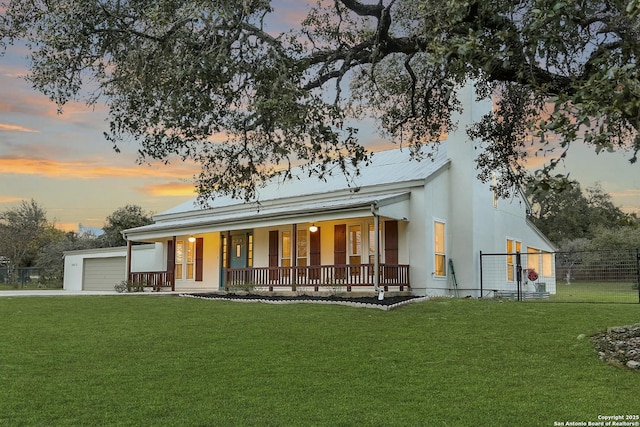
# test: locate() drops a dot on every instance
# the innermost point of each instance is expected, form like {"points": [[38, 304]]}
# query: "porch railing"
{"points": [[154, 279], [332, 276]]}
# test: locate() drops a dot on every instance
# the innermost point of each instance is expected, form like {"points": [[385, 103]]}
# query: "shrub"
{"points": [[129, 286]]}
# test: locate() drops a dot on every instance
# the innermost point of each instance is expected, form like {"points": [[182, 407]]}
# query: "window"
{"points": [[355, 248], [547, 264], [191, 258], [301, 248], [439, 248], [540, 261], [355, 244], [285, 258], [179, 258], [185, 259], [513, 247], [372, 244], [533, 259], [250, 250]]}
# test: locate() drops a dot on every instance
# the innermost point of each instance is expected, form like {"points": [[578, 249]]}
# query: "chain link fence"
{"points": [[21, 277], [611, 276]]}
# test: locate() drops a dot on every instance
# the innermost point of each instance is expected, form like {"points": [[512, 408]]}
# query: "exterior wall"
{"points": [[261, 245], [510, 223], [212, 261], [416, 235], [427, 204], [404, 248], [210, 268], [470, 201], [438, 197], [147, 257], [474, 224]]}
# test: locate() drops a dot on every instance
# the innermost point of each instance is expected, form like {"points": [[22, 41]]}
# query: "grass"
{"points": [[615, 292], [168, 361]]}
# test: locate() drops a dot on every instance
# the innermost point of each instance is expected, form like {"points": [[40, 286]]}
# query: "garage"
{"points": [[101, 269], [102, 274]]}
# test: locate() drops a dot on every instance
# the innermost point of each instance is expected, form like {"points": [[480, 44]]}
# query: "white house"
{"points": [[399, 226]]}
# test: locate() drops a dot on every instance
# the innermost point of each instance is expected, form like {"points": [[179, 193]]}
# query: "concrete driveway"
{"points": [[61, 292]]}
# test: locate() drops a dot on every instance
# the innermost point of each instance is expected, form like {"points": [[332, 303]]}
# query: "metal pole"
{"points": [[481, 282], [638, 271], [519, 275], [376, 253]]}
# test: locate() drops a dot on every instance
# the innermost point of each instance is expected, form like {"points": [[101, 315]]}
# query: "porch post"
{"points": [[171, 261], [376, 253], [376, 250], [294, 255], [227, 263], [129, 251]]}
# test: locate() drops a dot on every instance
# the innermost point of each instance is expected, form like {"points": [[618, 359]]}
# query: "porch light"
{"points": [[313, 228], [191, 239]]}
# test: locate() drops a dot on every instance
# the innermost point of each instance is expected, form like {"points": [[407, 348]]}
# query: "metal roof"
{"points": [[386, 167], [384, 184], [322, 210]]}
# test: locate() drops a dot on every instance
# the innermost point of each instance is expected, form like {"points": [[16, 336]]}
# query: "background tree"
{"points": [[50, 259], [174, 73], [627, 237], [23, 231], [129, 216], [568, 213]]}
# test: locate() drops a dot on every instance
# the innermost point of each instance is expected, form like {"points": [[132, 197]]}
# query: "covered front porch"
{"points": [[358, 245]]}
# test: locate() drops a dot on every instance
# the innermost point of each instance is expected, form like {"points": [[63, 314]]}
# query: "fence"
{"points": [[585, 276], [20, 276]]}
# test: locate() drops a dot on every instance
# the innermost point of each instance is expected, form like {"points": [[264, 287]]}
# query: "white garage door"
{"points": [[102, 274]]}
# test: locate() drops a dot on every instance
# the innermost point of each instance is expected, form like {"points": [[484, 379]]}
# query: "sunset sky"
{"points": [[64, 163]]}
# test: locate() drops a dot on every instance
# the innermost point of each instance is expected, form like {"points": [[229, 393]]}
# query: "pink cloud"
{"points": [[169, 189], [9, 199], [89, 170], [15, 128], [631, 192]]}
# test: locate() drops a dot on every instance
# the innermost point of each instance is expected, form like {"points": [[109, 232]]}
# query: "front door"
{"points": [[239, 252], [238, 258]]}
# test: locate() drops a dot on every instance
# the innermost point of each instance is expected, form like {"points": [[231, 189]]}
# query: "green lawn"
{"points": [[28, 286], [171, 361], [596, 292]]}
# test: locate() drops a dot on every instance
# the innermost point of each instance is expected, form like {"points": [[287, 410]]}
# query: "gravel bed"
{"points": [[387, 303], [619, 346]]}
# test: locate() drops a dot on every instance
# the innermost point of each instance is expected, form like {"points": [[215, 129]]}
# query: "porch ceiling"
{"points": [[394, 206]]}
